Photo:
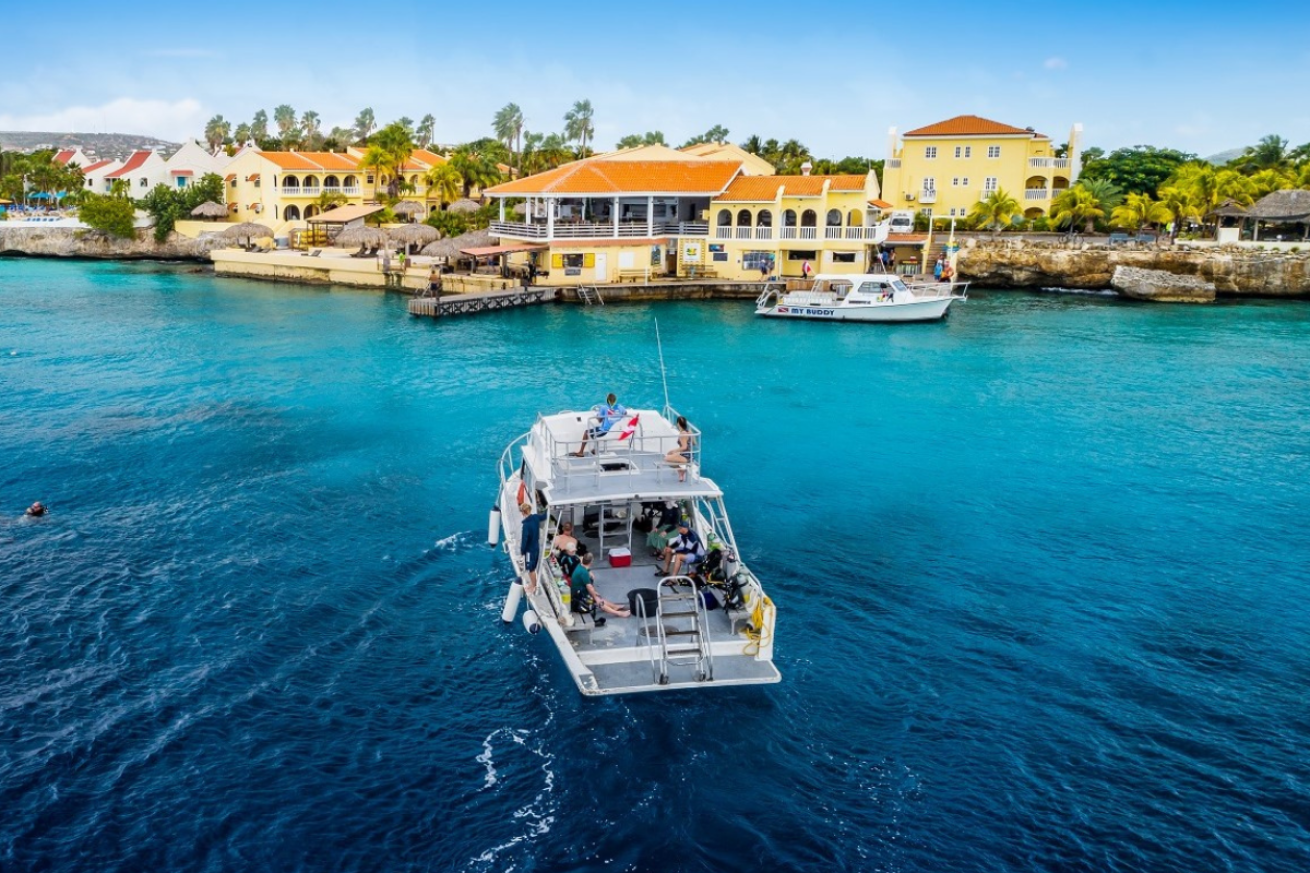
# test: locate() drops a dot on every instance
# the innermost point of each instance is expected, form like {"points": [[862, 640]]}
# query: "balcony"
{"points": [[314, 190], [928, 195], [1048, 163], [539, 230], [893, 164], [1037, 194]]}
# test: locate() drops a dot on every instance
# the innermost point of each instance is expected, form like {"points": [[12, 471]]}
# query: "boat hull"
{"points": [[916, 310]]}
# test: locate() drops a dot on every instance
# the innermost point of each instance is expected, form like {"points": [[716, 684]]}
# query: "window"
{"points": [[990, 184], [574, 260], [144, 181], [968, 151], [955, 181], [930, 183], [725, 218], [964, 182], [993, 151], [181, 181], [843, 257], [957, 151], [930, 152], [834, 218], [757, 261], [927, 210], [801, 255]]}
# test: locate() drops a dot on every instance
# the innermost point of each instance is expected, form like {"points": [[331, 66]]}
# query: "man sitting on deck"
{"points": [[682, 551], [585, 598], [606, 415]]}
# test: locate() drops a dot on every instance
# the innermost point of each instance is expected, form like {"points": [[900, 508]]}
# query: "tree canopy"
{"points": [[1136, 170]]}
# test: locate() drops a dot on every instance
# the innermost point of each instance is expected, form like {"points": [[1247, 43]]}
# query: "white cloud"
{"points": [[174, 120], [1056, 63]]}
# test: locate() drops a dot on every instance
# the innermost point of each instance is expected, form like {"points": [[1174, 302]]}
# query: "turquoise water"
{"points": [[1041, 575]]}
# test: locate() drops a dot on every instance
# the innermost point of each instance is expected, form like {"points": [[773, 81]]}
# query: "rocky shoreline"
{"points": [[62, 242], [1170, 274]]}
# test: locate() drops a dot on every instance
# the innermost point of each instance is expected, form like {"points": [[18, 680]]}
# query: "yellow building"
{"points": [[944, 169], [613, 219], [282, 189]]}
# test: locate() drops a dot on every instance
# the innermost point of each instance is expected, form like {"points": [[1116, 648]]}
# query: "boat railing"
{"points": [[937, 290], [618, 457]]}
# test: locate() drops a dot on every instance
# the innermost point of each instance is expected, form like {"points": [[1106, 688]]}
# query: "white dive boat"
{"points": [[862, 297], [682, 634]]}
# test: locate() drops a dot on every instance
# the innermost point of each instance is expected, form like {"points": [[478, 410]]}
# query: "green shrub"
{"points": [[111, 215], [449, 223]]}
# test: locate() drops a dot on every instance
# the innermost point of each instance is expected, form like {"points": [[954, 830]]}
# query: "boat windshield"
{"points": [[898, 285]]}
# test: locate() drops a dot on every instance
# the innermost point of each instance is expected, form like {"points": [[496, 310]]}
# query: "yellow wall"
{"points": [[1012, 171], [267, 192], [601, 264]]}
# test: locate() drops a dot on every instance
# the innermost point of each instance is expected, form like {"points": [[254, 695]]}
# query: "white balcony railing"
{"points": [[314, 191], [1048, 163], [893, 164], [1037, 194], [596, 229]]}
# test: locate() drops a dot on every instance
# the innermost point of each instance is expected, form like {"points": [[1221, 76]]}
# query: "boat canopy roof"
{"points": [[627, 463]]}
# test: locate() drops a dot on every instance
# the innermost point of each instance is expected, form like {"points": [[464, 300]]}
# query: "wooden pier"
{"points": [[487, 301]]}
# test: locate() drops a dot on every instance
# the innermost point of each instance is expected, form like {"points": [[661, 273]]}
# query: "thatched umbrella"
{"points": [[463, 205], [449, 248], [370, 237], [407, 207], [210, 209], [247, 230], [413, 234]]}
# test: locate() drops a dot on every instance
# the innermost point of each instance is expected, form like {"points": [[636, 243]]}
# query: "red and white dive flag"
{"points": [[629, 428]]}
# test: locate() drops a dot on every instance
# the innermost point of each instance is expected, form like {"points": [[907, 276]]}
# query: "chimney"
{"points": [[806, 167]]}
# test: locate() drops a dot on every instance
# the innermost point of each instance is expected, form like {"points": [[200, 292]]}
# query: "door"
{"points": [[602, 268]]}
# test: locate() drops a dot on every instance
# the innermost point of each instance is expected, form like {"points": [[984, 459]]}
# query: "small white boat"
{"points": [[862, 297], [713, 631]]}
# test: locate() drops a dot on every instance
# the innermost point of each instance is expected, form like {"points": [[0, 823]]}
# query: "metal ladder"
{"points": [[678, 644], [590, 295]]}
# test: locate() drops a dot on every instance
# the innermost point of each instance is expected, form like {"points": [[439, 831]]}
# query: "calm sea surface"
{"points": [[1042, 576]]}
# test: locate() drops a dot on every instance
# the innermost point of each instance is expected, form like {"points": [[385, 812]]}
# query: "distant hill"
{"points": [[1217, 159], [103, 145]]}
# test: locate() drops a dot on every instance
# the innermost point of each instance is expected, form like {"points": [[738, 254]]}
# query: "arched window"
{"points": [[350, 182], [744, 218], [311, 181], [834, 218], [764, 219], [855, 219], [292, 213], [808, 218], [311, 211], [789, 218], [331, 182], [725, 218], [290, 182]]}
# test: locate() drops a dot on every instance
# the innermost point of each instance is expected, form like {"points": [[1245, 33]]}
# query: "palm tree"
{"points": [[1181, 205], [387, 155], [1209, 187], [1077, 205], [995, 210], [753, 145], [365, 124], [1138, 210], [578, 126], [216, 131], [285, 119], [508, 125], [423, 134], [310, 126], [1268, 154], [445, 182], [259, 126], [1107, 194], [242, 135], [476, 167], [1266, 181]]}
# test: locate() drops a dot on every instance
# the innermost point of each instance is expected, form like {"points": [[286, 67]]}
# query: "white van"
{"points": [[902, 222]]}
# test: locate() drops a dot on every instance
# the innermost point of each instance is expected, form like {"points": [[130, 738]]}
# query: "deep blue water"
{"points": [[1041, 574]]}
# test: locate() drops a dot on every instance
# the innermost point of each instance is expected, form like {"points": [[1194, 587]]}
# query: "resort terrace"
{"points": [[614, 200]]}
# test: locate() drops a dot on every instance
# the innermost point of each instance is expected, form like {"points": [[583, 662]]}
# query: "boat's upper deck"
{"points": [[631, 461]]}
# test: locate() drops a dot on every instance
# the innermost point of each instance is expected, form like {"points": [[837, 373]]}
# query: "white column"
{"points": [[650, 215], [616, 217], [502, 209], [550, 218]]}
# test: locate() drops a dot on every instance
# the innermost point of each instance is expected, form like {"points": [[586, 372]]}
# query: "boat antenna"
{"points": [[659, 344]]}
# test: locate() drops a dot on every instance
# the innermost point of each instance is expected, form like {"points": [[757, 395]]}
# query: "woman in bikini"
{"points": [[681, 456]]}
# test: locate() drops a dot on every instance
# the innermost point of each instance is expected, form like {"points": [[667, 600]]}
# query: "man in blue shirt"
{"points": [[683, 550], [606, 416], [530, 543]]}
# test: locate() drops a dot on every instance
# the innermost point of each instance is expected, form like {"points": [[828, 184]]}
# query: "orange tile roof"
{"points": [[137, 159], [64, 157], [97, 165], [626, 177], [428, 157], [881, 204], [311, 160], [969, 125], [762, 189]]}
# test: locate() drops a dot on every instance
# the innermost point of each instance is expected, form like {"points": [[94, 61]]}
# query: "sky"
{"points": [[1201, 77]]}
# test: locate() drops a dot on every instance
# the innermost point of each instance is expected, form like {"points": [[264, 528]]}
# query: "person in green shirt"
{"points": [[586, 599]]}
